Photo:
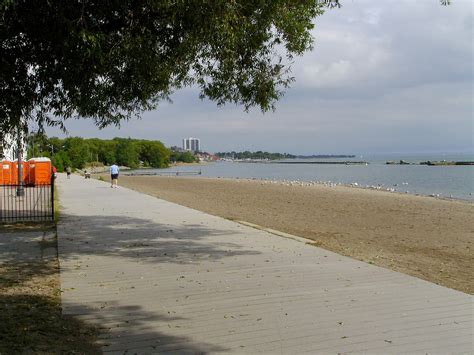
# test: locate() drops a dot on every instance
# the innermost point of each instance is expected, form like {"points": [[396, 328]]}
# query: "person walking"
{"points": [[114, 173], [68, 172]]}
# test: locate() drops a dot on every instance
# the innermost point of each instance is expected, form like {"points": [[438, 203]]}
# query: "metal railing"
{"points": [[27, 203]]}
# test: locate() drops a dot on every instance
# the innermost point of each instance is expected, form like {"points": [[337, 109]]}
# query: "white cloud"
{"points": [[332, 75]]}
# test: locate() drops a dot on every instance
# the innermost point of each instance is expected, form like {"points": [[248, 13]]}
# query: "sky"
{"points": [[392, 76]]}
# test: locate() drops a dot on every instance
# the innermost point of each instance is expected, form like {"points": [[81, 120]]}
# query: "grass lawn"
{"points": [[31, 319]]}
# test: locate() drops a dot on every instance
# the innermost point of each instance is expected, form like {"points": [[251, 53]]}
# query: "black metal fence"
{"points": [[27, 203]]}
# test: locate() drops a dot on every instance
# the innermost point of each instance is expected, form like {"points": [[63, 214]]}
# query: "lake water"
{"points": [[446, 181]]}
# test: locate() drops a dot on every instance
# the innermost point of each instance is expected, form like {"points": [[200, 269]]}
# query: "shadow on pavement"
{"points": [[31, 316], [143, 240], [131, 328]]}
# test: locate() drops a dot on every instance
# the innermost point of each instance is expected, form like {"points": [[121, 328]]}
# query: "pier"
{"points": [[445, 163], [165, 173], [324, 162]]}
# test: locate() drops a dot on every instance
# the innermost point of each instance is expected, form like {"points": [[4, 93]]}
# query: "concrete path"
{"points": [[159, 277]]}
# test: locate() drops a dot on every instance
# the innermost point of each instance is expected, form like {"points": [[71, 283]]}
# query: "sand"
{"points": [[420, 236]]}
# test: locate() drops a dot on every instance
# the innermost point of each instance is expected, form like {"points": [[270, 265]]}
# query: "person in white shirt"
{"points": [[114, 173]]}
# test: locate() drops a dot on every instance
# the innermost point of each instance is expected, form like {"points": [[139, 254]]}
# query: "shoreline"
{"points": [[378, 188], [172, 165], [334, 185], [381, 188], [429, 238]]}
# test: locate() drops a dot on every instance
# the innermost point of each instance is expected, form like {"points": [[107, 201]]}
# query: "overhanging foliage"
{"points": [[109, 60]]}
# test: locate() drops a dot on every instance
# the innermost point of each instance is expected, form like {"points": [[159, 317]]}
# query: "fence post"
{"points": [[2, 200], [52, 197]]}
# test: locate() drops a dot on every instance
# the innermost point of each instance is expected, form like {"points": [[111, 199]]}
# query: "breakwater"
{"points": [[432, 163], [446, 163], [323, 162], [164, 173]]}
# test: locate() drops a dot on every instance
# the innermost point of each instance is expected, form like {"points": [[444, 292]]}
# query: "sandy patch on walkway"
{"points": [[421, 236]]}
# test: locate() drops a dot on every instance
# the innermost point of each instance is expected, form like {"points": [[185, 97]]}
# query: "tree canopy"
{"points": [[110, 60], [77, 152]]}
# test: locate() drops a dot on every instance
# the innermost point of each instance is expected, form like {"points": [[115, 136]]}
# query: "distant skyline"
{"points": [[391, 76]]}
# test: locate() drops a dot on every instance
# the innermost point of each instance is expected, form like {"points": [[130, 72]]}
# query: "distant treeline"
{"points": [[255, 155], [276, 156], [77, 152]]}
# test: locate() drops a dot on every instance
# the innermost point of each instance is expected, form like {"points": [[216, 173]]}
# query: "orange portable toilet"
{"points": [[6, 173], [40, 171], [1, 173], [25, 173], [32, 171]]}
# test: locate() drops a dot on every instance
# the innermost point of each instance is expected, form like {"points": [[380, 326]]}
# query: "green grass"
{"points": [[32, 321]]}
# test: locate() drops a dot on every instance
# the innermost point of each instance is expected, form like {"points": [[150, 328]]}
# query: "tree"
{"points": [[78, 151], [185, 157], [38, 145], [107, 152], [110, 60], [153, 154], [61, 161], [126, 153]]}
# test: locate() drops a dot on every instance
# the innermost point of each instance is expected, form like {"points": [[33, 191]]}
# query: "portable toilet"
{"points": [[32, 171], [24, 173], [6, 175], [39, 171]]}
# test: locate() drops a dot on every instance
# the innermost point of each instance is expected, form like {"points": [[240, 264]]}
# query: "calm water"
{"points": [[447, 181]]}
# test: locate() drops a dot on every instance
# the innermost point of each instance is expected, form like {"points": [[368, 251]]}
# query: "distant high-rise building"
{"points": [[192, 144]]}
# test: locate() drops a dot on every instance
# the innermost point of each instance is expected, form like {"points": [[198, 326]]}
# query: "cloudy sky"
{"points": [[384, 76]]}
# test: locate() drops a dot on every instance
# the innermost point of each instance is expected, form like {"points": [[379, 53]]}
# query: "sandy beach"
{"points": [[421, 236]]}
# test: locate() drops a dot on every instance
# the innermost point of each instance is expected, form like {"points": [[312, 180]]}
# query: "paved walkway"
{"points": [[159, 277]]}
